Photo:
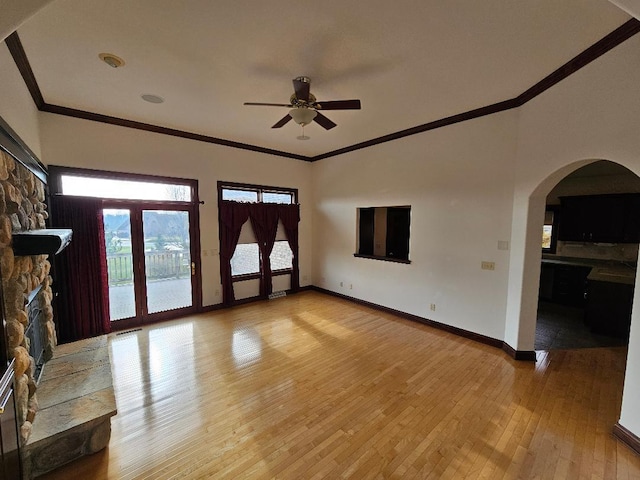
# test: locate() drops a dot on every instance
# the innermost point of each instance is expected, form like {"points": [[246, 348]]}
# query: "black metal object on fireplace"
{"points": [[36, 332]]}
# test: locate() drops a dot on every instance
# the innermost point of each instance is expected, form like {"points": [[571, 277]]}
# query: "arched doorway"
{"points": [[586, 281]]}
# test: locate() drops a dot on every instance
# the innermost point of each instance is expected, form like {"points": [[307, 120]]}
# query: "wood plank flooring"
{"points": [[310, 387]]}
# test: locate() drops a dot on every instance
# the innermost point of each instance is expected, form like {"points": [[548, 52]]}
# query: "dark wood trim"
{"points": [[58, 170], [610, 41], [476, 337], [627, 437], [283, 271], [245, 277], [22, 62], [524, 355], [147, 127], [136, 207], [443, 122], [615, 38], [11, 143], [253, 187], [384, 259]]}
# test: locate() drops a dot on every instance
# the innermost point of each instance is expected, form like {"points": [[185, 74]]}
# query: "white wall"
{"points": [[82, 143], [16, 105], [458, 182], [592, 115], [16, 12]]}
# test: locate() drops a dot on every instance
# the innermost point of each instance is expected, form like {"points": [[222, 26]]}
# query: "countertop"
{"points": [[601, 270]]}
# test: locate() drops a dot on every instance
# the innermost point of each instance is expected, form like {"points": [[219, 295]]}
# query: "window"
{"points": [[92, 186], [383, 233], [245, 263], [239, 192], [281, 256], [550, 229]]}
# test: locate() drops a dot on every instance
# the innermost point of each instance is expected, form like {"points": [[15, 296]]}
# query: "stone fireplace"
{"points": [[26, 285]]}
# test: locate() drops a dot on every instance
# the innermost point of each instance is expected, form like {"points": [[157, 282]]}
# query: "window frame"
{"points": [[56, 173], [260, 190], [385, 258], [555, 209]]}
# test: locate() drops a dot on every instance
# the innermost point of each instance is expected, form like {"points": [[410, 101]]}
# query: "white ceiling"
{"points": [[409, 61]]}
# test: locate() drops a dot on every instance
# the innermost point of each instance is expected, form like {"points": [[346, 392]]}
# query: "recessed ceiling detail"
{"points": [[435, 67]]}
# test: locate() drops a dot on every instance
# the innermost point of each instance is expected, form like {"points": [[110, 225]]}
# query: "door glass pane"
{"points": [[167, 259], [117, 236]]}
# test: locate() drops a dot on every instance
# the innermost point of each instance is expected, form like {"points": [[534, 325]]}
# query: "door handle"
{"points": [[193, 268]]}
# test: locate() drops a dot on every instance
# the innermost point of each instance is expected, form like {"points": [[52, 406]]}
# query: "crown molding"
{"points": [[607, 43]]}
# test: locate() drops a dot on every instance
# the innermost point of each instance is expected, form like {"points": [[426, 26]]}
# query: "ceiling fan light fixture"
{"points": [[303, 116]]}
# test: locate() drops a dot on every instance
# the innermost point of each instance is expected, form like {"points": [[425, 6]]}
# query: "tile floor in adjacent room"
{"points": [[562, 327]]}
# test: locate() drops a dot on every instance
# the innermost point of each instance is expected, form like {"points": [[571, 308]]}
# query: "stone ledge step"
{"points": [[76, 405]]}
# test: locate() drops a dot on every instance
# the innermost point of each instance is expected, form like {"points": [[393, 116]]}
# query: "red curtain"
{"points": [[264, 220], [290, 217], [81, 270], [232, 217]]}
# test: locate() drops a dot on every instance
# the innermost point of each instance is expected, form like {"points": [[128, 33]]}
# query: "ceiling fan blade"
{"points": [[283, 121], [338, 105], [269, 104], [324, 121], [301, 87]]}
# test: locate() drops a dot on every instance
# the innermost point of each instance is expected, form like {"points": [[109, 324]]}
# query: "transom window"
{"points": [[257, 194], [92, 186]]}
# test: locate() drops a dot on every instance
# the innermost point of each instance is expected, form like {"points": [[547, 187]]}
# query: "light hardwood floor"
{"points": [[310, 386]]}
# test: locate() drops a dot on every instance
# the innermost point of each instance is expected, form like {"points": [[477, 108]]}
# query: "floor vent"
{"points": [[129, 331], [277, 295]]}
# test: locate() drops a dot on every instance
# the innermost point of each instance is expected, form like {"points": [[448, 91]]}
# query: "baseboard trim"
{"points": [[524, 355], [627, 437], [493, 342]]}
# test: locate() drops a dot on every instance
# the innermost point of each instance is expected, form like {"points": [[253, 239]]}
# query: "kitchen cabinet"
{"points": [[608, 308], [563, 284], [600, 218], [569, 284]]}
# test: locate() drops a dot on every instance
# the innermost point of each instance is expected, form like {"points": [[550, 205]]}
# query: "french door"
{"points": [[151, 264]]}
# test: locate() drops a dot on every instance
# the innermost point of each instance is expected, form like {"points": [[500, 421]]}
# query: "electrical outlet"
{"points": [[432, 307], [488, 265], [342, 284], [351, 286]]}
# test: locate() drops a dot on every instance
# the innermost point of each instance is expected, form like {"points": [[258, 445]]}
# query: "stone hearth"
{"points": [[76, 405]]}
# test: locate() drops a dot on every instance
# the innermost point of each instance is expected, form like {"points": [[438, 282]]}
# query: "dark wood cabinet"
{"points": [[608, 308], [563, 284], [600, 218], [569, 284]]}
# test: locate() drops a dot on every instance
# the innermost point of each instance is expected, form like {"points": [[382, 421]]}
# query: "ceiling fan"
{"points": [[305, 108]]}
